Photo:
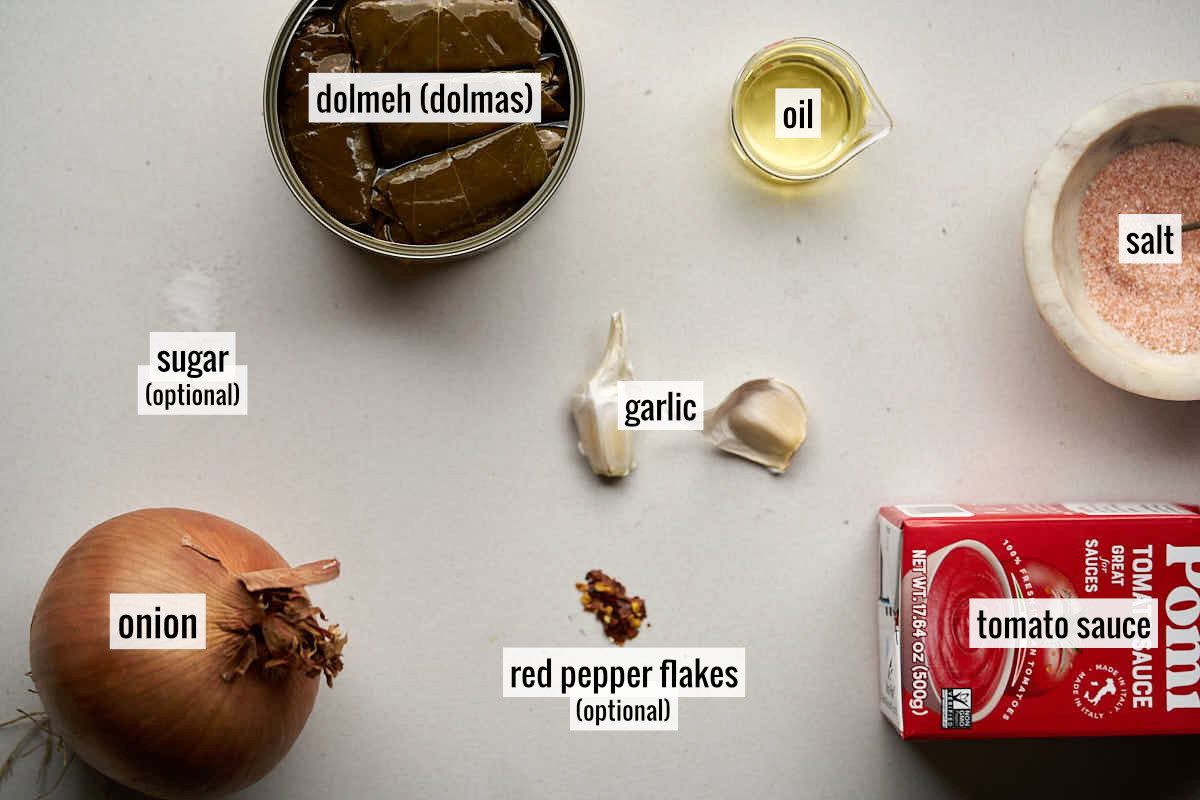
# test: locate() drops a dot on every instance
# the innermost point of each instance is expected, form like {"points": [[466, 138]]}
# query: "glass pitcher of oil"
{"points": [[800, 136]]}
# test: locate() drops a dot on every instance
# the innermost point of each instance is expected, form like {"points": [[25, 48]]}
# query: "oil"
{"points": [[756, 108], [851, 115]]}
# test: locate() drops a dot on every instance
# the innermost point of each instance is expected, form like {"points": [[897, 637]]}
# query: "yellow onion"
{"points": [[182, 723]]}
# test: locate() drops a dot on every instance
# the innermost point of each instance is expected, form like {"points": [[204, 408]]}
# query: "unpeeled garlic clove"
{"points": [[763, 420], [594, 406]]}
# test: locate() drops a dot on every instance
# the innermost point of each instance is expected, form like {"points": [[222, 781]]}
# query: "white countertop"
{"points": [[416, 426]]}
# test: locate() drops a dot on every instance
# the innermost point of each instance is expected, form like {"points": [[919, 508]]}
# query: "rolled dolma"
{"points": [[335, 161], [468, 188], [397, 142], [316, 48], [390, 230], [554, 87], [552, 138], [442, 35]]}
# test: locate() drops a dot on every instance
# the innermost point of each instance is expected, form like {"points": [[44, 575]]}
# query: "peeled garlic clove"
{"points": [[594, 406], [763, 420]]}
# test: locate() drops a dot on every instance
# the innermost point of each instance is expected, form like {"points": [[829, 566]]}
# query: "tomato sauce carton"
{"points": [[933, 559]]}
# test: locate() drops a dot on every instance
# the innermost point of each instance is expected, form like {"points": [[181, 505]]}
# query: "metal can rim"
{"points": [[415, 252]]}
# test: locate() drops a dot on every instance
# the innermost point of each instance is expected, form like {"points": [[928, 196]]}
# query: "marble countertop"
{"points": [[415, 424]]}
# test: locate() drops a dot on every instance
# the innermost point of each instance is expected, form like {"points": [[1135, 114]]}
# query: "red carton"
{"points": [[934, 558]]}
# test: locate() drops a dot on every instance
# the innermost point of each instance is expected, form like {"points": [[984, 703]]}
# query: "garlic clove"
{"points": [[763, 420], [594, 406]]}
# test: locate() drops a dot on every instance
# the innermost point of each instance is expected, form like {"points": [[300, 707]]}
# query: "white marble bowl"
{"points": [[1146, 114]]}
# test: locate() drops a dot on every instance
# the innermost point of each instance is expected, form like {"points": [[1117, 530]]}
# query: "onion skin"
{"points": [[163, 721]]}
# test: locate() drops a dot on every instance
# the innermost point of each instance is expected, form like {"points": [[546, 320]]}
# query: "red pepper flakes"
{"points": [[621, 615]]}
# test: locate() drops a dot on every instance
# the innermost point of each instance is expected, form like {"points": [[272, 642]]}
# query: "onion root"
{"points": [[41, 736], [283, 631], [285, 634]]}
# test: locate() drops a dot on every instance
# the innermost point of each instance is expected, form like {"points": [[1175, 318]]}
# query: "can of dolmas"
{"points": [[357, 180]]}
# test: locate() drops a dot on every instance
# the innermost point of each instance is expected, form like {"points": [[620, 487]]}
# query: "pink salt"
{"points": [[1156, 305]]}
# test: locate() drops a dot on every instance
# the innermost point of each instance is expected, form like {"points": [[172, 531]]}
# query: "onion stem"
{"points": [[291, 577]]}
